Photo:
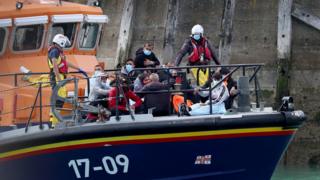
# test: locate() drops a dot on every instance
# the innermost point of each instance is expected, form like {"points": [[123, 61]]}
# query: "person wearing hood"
{"points": [[100, 89], [128, 69], [97, 71], [99, 92], [145, 58]]}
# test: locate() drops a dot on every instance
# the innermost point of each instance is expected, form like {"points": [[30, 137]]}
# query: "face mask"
{"points": [[97, 73], [196, 37], [173, 72], [146, 52], [214, 82], [108, 82], [129, 67]]}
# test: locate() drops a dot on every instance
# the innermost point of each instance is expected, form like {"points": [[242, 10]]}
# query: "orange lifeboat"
{"points": [[26, 32]]}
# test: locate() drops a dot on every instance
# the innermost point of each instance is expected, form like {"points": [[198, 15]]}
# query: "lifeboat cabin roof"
{"points": [[44, 7]]}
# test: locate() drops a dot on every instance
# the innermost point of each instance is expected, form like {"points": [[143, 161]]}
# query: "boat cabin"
{"points": [[26, 32]]}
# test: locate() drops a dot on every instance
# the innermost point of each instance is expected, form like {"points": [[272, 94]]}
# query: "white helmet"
{"points": [[61, 40], [197, 29]]}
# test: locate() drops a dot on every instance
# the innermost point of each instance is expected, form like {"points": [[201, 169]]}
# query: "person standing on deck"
{"points": [[200, 52], [58, 66]]}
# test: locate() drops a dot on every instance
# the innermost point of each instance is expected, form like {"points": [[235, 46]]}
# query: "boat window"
{"points": [[2, 39], [67, 29], [89, 35], [28, 37]]}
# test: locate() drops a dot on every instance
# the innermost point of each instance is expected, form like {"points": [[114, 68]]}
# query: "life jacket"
{"points": [[62, 63], [198, 50]]}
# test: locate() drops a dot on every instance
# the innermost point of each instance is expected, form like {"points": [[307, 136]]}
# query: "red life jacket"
{"points": [[62, 65], [198, 50]]}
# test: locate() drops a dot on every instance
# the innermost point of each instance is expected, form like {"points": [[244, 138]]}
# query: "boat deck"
{"points": [[127, 120]]}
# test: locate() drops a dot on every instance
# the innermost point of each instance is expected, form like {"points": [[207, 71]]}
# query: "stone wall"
{"points": [[167, 23], [305, 87]]}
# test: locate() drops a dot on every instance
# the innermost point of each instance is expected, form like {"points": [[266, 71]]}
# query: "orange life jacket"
{"points": [[199, 50], [62, 63]]}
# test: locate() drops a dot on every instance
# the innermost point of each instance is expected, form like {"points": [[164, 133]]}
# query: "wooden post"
{"points": [[171, 23], [226, 32], [284, 29], [305, 16], [125, 32], [283, 48]]}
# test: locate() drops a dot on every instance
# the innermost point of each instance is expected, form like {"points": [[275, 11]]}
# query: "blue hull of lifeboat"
{"points": [[225, 154]]}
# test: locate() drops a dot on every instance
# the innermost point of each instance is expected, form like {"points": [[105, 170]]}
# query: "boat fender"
{"points": [[294, 118]]}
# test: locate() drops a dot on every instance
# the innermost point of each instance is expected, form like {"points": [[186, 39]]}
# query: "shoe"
{"points": [[183, 110], [179, 110]]}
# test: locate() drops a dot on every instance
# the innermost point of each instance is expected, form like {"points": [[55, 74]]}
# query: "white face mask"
{"points": [[96, 73], [214, 82], [107, 83]]}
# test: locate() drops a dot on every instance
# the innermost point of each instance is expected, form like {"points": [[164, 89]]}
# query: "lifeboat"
{"points": [[246, 143]]}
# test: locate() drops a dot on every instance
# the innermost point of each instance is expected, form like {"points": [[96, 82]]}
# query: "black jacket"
{"points": [[141, 57]]}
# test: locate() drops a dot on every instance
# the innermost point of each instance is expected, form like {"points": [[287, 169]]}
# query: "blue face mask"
{"points": [[146, 52], [129, 68], [196, 37]]}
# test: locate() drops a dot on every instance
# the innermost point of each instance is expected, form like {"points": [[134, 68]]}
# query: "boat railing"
{"points": [[15, 77], [38, 96], [182, 71]]}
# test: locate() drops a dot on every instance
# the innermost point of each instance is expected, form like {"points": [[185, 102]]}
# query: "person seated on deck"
{"points": [[99, 93], [232, 87], [122, 92], [145, 58], [98, 69], [100, 90], [219, 94], [168, 76], [141, 81], [159, 101], [230, 83], [127, 70]]}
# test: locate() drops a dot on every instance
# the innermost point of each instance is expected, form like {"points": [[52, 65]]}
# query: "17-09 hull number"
{"points": [[111, 165]]}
